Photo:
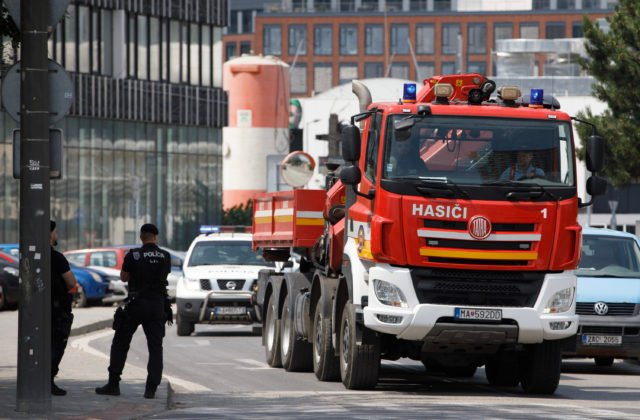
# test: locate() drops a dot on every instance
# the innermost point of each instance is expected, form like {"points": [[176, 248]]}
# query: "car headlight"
{"points": [[12, 270], [389, 294], [96, 277], [560, 302], [191, 284]]}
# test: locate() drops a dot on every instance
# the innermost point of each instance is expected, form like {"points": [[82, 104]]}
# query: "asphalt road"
{"points": [[219, 372]]}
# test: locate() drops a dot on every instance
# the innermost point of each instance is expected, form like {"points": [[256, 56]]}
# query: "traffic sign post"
{"points": [[34, 320]]}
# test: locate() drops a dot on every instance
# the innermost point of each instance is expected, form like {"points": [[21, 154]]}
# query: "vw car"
{"points": [[219, 281], [608, 297]]}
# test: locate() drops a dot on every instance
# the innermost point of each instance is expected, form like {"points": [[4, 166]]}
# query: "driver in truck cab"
{"points": [[522, 168], [405, 156]]}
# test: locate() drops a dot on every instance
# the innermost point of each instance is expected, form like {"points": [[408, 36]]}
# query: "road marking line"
{"points": [[257, 365], [201, 342]]}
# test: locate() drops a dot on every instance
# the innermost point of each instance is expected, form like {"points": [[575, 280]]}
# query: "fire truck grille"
{"points": [[479, 288], [496, 227], [615, 309], [493, 245]]}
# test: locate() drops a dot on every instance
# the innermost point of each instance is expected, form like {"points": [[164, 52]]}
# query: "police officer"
{"points": [[63, 286], [146, 270]]}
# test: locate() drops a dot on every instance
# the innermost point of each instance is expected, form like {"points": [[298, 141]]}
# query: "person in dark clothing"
{"points": [[146, 270], [63, 286]]}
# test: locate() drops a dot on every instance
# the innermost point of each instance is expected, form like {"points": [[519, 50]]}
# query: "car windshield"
{"points": [[608, 256], [480, 151], [225, 253]]}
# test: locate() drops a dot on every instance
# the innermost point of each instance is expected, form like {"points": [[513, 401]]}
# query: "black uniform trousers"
{"points": [[148, 311], [60, 330]]}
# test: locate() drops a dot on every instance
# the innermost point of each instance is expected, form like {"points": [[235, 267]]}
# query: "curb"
{"points": [[85, 329]]}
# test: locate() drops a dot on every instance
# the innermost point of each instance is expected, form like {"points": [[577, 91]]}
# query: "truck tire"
{"points": [[184, 328], [295, 352], [271, 332], [503, 369], [604, 361], [359, 363], [325, 363], [541, 367]]}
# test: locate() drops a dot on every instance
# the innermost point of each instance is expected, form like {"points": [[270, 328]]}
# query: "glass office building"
{"points": [[143, 141]]}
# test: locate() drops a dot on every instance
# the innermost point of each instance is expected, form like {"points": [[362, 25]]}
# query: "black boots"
{"points": [[150, 390], [56, 390], [111, 388]]}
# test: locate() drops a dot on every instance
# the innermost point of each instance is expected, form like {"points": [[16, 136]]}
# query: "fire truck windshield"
{"points": [[476, 151]]}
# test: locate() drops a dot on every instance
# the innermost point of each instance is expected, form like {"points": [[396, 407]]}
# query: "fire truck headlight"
{"points": [[560, 302], [389, 294]]}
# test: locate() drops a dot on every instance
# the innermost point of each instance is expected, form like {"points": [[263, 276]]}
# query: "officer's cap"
{"points": [[149, 228]]}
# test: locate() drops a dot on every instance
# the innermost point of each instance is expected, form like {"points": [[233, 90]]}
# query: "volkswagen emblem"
{"points": [[479, 227], [600, 308], [231, 285]]}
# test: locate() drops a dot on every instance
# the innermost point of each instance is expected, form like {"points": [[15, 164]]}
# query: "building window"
{"points": [[184, 52], [348, 39], [347, 72], [394, 5], [554, 30], [477, 38], [154, 48], [322, 77], [399, 38], [477, 67], [541, 4], [369, 6], [230, 50], [322, 5], [566, 4], [449, 67], [426, 69], [529, 30], [297, 40], [576, 29], [143, 48], [441, 4], [84, 40], [299, 78], [418, 5], [399, 70], [347, 5], [425, 36], [207, 59], [502, 30], [322, 39], [373, 39], [232, 26], [174, 51], [450, 32], [106, 42], [95, 40], [372, 70], [272, 40], [245, 47], [70, 39], [247, 22], [591, 4]]}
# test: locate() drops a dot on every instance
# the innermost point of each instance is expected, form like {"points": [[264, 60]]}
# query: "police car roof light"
{"points": [[209, 229]]}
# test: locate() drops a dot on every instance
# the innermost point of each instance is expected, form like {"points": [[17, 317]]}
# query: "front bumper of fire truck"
{"points": [[393, 308]]}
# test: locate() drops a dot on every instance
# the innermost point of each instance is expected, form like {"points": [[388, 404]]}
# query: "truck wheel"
{"points": [[295, 352], [359, 363], [184, 328], [271, 332], [325, 362], [603, 361], [503, 370], [541, 367]]}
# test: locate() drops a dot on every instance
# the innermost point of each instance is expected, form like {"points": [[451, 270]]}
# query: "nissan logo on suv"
{"points": [[231, 285]]}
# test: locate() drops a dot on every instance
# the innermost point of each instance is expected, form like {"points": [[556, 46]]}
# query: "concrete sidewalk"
{"points": [[81, 371]]}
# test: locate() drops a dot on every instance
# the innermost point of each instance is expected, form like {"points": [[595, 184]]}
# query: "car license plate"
{"points": [[478, 314], [229, 310], [601, 340]]}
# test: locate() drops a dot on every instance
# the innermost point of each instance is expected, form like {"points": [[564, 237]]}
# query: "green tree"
{"points": [[10, 30], [614, 61], [238, 215]]}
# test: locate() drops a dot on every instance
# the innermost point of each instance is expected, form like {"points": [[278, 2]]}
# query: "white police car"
{"points": [[219, 281]]}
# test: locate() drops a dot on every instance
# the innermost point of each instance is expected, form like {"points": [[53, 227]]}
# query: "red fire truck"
{"points": [[449, 237]]}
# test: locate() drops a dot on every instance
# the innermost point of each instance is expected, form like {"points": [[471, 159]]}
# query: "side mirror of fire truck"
{"points": [[595, 153], [350, 175], [351, 143]]}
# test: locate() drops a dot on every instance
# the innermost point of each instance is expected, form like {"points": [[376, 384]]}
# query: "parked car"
{"points": [[11, 249], [9, 284], [92, 288], [117, 290], [219, 282], [113, 257], [608, 297], [8, 257]]}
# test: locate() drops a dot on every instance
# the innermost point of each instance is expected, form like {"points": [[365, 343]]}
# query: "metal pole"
{"points": [[34, 320]]}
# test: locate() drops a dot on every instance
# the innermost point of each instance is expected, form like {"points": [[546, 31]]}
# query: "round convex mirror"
{"points": [[297, 168]]}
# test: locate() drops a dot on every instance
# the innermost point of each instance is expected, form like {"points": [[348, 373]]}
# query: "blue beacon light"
{"points": [[409, 92], [537, 97]]}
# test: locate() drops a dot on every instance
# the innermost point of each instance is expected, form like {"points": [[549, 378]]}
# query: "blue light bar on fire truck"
{"points": [[537, 98], [409, 93]]}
